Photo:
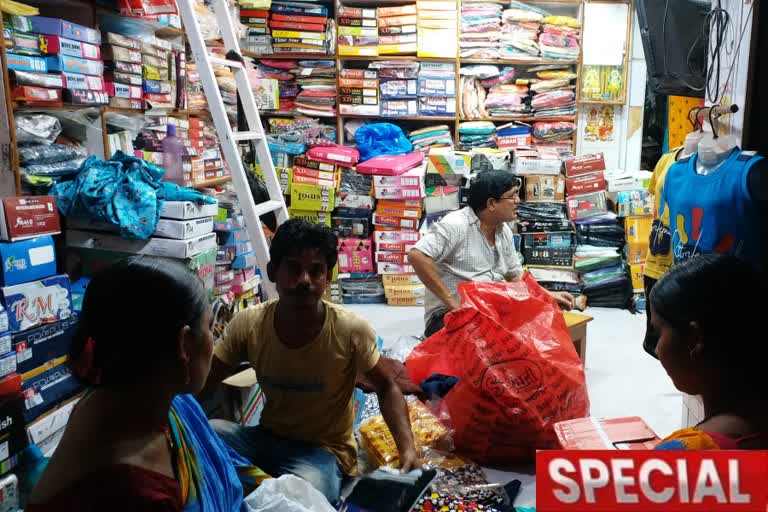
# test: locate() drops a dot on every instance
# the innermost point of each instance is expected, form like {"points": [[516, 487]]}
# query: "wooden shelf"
{"points": [[521, 62], [62, 108], [289, 56], [364, 58], [400, 118], [212, 183], [117, 110], [524, 119]]}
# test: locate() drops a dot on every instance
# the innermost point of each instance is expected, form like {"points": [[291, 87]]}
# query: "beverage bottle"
{"points": [[173, 151]]}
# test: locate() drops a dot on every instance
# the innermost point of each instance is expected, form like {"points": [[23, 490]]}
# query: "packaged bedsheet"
{"points": [[437, 106]]}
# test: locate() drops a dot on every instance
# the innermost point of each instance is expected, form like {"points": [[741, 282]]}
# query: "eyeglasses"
{"points": [[511, 198]]}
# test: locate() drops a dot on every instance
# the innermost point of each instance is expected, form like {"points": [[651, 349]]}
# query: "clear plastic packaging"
{"points": [[65, 168], [49, 154], [37, 128]]}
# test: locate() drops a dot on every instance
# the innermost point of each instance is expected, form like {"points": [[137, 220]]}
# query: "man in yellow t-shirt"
{"points": [[307, 354], [660, 257]]}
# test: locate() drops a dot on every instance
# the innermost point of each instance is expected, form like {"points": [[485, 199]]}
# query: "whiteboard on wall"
{"points": [[605, 33]]}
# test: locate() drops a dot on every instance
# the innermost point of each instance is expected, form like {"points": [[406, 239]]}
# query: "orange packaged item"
{"points": [[631, 433], [399, 10], [397, 21], [518, 371], [428, 432]]}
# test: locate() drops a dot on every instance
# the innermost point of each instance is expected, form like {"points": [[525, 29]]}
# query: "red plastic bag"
{"points": [[518, 371]]}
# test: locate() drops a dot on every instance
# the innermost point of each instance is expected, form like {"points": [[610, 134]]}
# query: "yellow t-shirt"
{"points": [[656, 265], [309, 390]]}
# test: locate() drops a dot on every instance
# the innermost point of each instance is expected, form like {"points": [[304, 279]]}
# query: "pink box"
{"points": [[355, 255], [398, 193], [394, 222], [394, 268], [396, 237], [413, 178]]}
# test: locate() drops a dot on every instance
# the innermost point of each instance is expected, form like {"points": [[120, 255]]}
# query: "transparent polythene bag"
{"points": [[518, 371]]}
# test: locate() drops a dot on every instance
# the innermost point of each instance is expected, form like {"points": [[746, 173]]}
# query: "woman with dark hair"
{"points": [[710, 345], [138, 440]]}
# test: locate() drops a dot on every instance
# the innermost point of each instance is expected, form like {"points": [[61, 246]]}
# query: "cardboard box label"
{"points": [[28, 217]]}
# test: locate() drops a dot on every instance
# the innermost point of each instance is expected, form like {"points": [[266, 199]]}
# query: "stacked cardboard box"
{"points": [[123, 71], [398, 86], [35, 339], [358, 31], [359, 92], [603, 271], [299, 29], [236, 278], [437, 89], [437, 28], [396, 223], [397, 30], [73, 54], [447, 172], [159, 74]]}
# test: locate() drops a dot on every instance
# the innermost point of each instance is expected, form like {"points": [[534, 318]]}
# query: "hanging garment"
{"points": [[124, 191], [713, 213], [657, 263]]}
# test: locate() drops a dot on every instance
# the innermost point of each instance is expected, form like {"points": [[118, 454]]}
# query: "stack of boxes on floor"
{"points": [[37, 323], [54, 62], [437, 22], [598, 260], [396, 225], [299, 29], [397, 30], [628, 196], [358, 31], [447, 172]]}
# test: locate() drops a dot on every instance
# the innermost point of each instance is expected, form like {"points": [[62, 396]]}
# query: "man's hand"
{"points": [[408, 460], [564, 299], [452, 303]]}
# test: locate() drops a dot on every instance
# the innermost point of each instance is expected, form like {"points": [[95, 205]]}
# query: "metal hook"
{"points": [[712, 124]]}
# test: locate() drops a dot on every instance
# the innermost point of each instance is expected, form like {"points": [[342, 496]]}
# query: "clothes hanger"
{"points": [[713, 149], [691, 144]]}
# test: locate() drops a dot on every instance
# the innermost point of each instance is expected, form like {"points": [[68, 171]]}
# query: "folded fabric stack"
{"points": [[437, 89], [507, 101], [553, 93], [300, 29], [399, 86], [503, 99], [317, 81], [559, 38], [604, 276], [480, 30], [358, 31], [477, 134], [546, 132], [280, 70], [520, 31], [430, 137]]}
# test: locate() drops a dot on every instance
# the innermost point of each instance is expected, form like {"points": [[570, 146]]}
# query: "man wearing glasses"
{"points": [[471, 244]]}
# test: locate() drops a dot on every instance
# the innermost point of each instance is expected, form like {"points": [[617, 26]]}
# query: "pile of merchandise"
{"points": [[53, 63], [437, 89], [257, 38], [559, 38], [480, 30], [317, 82], [398, 82], [397, 30], [436, 24], [477, 134], [520, 31], [280, 70], [358, 31], [555, 135], [359, 92], [431, 137], [123, 72], [553, 93]]}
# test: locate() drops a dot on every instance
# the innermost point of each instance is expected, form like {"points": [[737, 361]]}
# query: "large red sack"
{"points": [[518, 371]]}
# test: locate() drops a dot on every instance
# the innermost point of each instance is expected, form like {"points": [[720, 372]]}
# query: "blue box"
{"points": [[36, 347], [26, 63], [37, 303], [47, 386], [27, 260], [66, 29], [70, 64], [234, 237], [244, 261]]}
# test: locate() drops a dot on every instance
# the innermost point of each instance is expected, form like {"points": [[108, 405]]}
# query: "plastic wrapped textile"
{"points": [[566, 21], [583, 264], [550, 131], [288, 493], [601, 235], [124, 191], [553, 99], [480, 71], [526, 15], [49, 154], [57, 169], [556, 74], [36, 128], [611, 295], [548, 212], [378, 139], [558, 41], [518, 371]]}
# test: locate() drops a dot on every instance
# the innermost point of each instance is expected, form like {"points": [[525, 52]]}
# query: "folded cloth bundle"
{"points": [[480, 30], [431, 137], [559, 38], [553, 131]]}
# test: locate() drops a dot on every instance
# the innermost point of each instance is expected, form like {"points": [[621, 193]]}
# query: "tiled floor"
{"points": [[622, 379]]}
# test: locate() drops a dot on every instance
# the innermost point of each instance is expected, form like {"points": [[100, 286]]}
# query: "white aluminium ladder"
{"points": [[229, 138]]}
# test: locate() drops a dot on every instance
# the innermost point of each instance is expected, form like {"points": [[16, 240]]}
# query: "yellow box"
{"points": [[394, 49], [405, 301], [311, 216], [638, 229], [357, 51], [400, 280], [637, 271], [405, 291], [312, 198], [636, 252]]}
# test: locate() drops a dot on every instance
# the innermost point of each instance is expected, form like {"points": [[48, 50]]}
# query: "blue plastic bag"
{"points": [[381, 139]]}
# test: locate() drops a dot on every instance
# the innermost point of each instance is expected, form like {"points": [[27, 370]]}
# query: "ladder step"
{"points": [[224, 62], [268, 206], [239, 136]]}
